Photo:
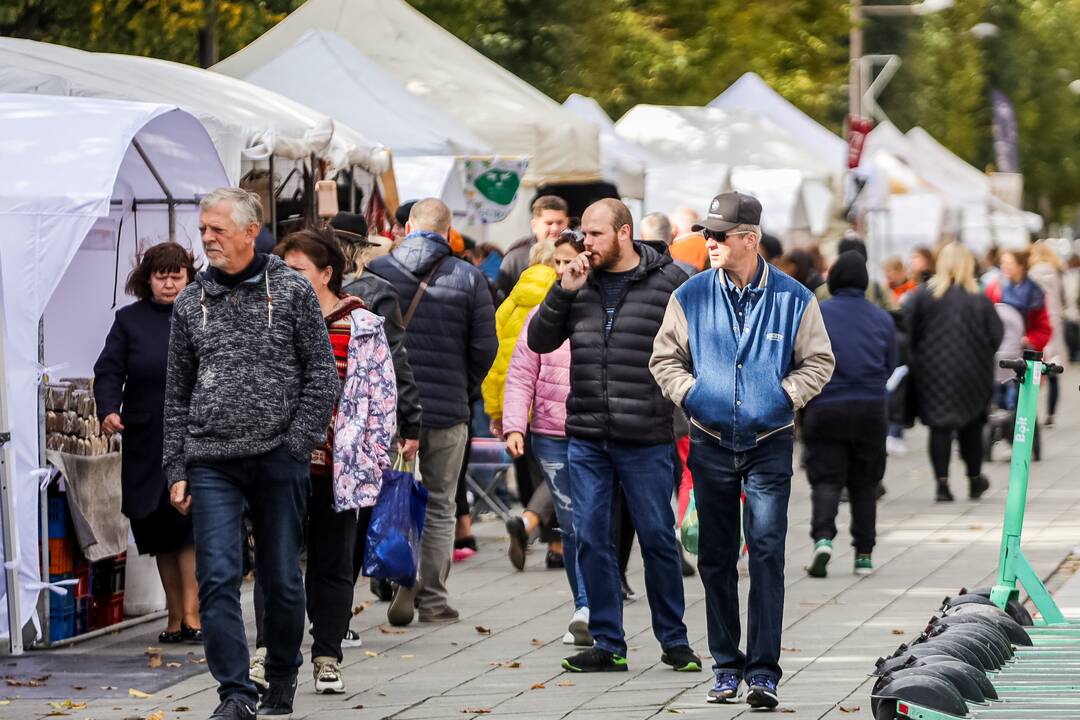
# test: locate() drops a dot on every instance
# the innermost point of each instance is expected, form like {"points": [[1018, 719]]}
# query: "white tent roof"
{"points": [[624, 163], [324, 71], [509, 114], [753, 94], [74, 156], [737, 138], [244, 120]]}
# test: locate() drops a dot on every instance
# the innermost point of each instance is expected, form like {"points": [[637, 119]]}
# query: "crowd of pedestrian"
{"points": [[627, 370]]}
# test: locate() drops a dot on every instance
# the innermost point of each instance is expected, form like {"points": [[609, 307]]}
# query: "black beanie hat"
{"points": [[402, 212], [849, 271]]}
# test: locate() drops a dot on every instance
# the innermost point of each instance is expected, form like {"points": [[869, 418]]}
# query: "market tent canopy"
{"points": [[62, 248], [513, 117], [751, 93], [624, 163], [245, 121], [324, 71]]}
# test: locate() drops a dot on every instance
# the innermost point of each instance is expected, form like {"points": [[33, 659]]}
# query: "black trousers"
{"points": [[970, 438], [845, 448], [328, 582]]}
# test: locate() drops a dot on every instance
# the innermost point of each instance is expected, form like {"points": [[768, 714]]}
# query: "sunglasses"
{"points": [[722, 236]]}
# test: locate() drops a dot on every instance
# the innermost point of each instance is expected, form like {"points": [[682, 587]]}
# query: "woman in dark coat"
{"points": [[953, 334], [129, 387]]}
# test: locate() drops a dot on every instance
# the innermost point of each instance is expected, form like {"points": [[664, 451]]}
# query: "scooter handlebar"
{"points": [[1052, 369], [1013, 365]]}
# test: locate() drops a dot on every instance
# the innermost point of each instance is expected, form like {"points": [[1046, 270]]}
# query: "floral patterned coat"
{"points": [[366, 420]]}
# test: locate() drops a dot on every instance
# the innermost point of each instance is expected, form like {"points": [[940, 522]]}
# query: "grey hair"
{"points": [[246, 205], [756, 229], [656, 226]]}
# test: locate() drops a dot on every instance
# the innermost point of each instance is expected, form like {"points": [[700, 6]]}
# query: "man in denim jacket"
{"points": [[741, 349]]}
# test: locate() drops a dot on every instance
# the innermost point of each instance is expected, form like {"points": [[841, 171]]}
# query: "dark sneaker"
{"points": [[444, 614], [595, 660], [403, 606], [977, 486], [725, 689], [864, 564], [554, 561], [278, 698], [681, 658], [519, 541], [233, 708], [382, 589], [762, 693], [819, 560]]}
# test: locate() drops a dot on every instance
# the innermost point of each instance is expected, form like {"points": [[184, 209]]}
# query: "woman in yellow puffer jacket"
{"points": [[529, 292]]}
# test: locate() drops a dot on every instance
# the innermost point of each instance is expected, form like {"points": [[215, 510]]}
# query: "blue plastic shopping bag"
{"points": [[392, 550]]}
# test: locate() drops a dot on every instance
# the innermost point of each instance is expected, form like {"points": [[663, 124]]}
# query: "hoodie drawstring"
{"points": [[269, 304]]}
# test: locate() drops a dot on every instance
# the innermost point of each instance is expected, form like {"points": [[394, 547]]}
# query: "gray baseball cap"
{"points": [[728, 210]]}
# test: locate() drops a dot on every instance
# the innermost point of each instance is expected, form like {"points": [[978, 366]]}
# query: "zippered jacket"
{"points": [[741, 387], [613, 396]]}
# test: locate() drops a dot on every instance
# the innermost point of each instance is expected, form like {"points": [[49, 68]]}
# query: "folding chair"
{"points": [[488, 463]]}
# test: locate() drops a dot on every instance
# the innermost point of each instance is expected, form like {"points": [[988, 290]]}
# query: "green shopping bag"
{"points": [[688, 531]]}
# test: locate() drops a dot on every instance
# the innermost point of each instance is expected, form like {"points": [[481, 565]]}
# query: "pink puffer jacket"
{"points": [[539, 383]]}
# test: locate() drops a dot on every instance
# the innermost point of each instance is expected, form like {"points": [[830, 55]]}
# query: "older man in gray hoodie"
{"points": [[250, 390]]}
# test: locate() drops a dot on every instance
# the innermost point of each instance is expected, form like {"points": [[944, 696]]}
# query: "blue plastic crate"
{"points": [[59, 517], [62, 624], [59, 602]]}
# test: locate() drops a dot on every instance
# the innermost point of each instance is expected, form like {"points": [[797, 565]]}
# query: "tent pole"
{"points": [[164, 188], [352, 189], [273, 201], [43, 495], [7, 511]]}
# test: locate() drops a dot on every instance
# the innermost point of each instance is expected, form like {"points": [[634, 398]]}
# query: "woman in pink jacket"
{"points": [[536, 387]]}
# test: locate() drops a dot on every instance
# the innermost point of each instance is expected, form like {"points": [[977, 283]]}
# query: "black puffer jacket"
{"points": [[382, 299], [451, 340], [613, 396]]}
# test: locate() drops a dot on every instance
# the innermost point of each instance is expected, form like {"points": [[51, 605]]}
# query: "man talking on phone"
{"points": [[610, 303], [249, 392]]}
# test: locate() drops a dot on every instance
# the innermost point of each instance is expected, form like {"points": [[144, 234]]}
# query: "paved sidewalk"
{"points": [[502, 659]]}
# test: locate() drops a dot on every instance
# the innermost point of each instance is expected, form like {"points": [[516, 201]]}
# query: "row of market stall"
{"points": [[107, 154]]}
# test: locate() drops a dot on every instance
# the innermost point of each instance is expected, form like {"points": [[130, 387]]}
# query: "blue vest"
{"points": [[737, 396]]}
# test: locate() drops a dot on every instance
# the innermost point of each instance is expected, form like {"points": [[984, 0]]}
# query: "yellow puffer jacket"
{"points": [[529, 292]]}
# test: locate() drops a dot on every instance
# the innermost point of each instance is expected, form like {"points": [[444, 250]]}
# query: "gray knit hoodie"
{"points": [[250, 369]]}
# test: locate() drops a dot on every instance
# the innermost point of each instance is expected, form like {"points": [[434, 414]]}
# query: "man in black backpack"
{"points": [[451, 343]]}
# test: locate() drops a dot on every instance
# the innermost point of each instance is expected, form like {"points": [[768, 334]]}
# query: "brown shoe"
{"points": [[439, 615]]}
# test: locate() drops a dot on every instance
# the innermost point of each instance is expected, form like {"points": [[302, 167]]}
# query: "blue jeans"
{"points": [[551, 454], [644, 472], [720, 475], [275, 486]]}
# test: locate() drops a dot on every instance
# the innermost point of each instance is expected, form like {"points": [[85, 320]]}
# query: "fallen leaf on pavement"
{"points": [[153, 660], [537, 643], [182, 708], [173, 665], [159, 715], [483, 630], [975, 527], [537, 686], [787, 710], [370, 653], [514, 665], [139, 694], [674, 711], [391, 631], [790, 649], [897, 631], [78, 687], [407, 657], [197, 661], [856, 708], [68, 705], [32, 682], [358, 707], [477, 711], [566, 683]]}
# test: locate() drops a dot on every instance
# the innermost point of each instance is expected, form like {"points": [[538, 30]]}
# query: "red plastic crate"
{"points": [[82, 572], [61, 556], [106, 611]]}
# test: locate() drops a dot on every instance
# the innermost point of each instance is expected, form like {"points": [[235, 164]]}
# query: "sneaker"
{"points": [[762, 693], [443, 614], [466, 543], [278, 698], [595, 660], [820, 559], [977, 486], [681, 658], [403, 606], [463, 554], [382, 589], [895, 447], [352, 639], [628, 594], [233, 708], [725, 689], [257, 669], [863, 564], [327, 676], [519, 541], [578, 631], [554, 561]]}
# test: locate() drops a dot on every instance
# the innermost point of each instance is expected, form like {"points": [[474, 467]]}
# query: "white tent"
{"points": [[79, 167], [709, 139], [623, 163], [513, 117], [246, 122], [753, 94], [324, 71]]}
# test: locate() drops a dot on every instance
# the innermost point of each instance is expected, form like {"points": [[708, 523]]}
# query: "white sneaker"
{"points": [[352, 639], [895, 446], [257, 669], [578, 631], [327, 676]]}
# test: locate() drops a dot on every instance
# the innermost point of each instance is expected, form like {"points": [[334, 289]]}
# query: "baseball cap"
{"points": [[728, 210]]}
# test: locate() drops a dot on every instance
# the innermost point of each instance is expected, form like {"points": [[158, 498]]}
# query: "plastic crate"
{"points": [[107, 576], [62, 624], [62, 556], [58, 602], [83, 607], [107, 611], [59, 517], [84, 573]]}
